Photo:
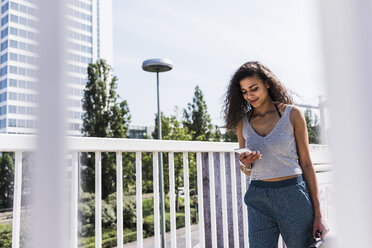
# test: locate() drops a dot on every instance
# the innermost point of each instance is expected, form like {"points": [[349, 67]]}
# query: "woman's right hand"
{"points": [[247, 159]]}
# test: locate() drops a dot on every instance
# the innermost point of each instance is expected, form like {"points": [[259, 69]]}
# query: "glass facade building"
{"points": [[89, 37]]}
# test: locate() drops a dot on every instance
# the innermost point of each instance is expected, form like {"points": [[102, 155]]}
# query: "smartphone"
{"points": [[242, 150]]}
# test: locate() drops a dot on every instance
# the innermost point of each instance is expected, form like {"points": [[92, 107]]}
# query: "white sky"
{"points": [[207, 41]]}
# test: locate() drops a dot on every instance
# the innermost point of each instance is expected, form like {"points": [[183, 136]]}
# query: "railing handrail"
{"points": [[17, 142]]}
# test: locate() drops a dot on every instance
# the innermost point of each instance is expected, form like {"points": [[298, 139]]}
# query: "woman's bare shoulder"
{"points": [[296, 116]]}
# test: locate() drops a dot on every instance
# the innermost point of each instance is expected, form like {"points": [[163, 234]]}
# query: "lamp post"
{"points": [[159, 65]]}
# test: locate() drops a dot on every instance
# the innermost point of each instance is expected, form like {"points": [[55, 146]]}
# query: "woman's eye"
{"points": [[244, 92], [254, 89]]}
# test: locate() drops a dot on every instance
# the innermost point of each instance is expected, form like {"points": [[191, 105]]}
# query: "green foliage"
{"points": [[6, 235], [109, 239], [313, 127], [230, 136], [196, 118], [129, 208], [87, 214], [104, 116], [6, 180]]}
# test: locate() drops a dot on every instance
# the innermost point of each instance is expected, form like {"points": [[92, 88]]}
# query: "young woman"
{"points": [[283, 195]]}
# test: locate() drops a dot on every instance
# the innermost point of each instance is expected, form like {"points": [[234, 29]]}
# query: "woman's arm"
{"points": [[245, 158], [299, 125], [241, 140]]}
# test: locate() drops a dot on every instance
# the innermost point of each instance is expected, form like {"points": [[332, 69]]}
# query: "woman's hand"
{"points": [[319, 224], [247, 159]]}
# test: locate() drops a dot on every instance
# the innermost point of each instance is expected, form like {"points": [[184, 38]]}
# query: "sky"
{"points": [[207, 41]]}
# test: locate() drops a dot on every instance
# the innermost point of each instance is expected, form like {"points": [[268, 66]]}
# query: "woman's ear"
{"points": [[267, 85]]}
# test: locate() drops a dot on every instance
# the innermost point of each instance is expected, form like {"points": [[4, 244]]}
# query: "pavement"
{"points": [[181, 239]]}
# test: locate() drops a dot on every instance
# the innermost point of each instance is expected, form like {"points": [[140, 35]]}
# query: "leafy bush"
{"points": [[109, 239], [5, 235], [87, 214]]}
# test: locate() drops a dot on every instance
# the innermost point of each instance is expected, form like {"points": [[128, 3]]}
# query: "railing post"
{"points": [[155, 159], [172, 200], [74, 200], [212, 199], [243, 184], [200, 199], [119, 199], [206, 200], [224, 202], [139, 199], [234, 200], [17, 200], [187, 198], [98, 199]]}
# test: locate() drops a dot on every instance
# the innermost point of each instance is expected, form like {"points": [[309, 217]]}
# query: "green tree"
{"points": [[313, 127], [172, 129], [196, 118], [104, 116], [6, 180], [230, 136]]}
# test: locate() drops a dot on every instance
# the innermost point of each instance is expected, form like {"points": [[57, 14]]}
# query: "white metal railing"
{"points": [[212, 158]]}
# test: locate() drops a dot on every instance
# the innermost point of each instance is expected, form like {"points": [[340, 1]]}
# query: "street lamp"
{"points": [[159, 65]]}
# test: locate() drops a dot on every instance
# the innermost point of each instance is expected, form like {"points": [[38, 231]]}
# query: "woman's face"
{"points": [[254, 91]]}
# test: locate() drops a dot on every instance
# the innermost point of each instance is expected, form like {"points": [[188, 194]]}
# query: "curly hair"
{"points": [[235, 106]]}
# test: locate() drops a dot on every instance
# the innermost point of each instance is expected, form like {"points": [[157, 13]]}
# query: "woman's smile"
{"points": [[253, 101]]}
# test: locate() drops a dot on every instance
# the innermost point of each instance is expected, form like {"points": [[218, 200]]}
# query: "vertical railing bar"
{"points": [[98, 199], [139, 199], [172, 200], [187, 198], [17, 200], [155, 160], [224, 201], [200, 199], [212, 199], [234, 200], [119, 199], [243, 179], [74, 200]]}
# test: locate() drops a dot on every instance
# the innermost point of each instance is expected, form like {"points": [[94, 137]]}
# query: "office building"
{"points": [[89, 37]]}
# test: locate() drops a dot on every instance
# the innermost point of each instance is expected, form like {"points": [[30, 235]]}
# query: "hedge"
{"points": [[5, 235]]}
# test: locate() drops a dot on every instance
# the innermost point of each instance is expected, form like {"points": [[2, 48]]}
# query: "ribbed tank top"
{"points": [[278, 149]]}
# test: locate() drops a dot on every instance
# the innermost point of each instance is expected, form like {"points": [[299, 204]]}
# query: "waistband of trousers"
{"points": [[277, 184]]}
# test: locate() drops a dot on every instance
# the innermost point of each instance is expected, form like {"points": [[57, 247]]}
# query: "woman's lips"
{"points": [[253, 101]]}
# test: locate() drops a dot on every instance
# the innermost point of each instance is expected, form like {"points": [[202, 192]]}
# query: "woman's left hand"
{"points": [[319, 224]]}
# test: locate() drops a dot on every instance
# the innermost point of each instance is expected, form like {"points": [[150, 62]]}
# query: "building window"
{"points": [[4, 20], [2, 123], [30, 124], [21, 123], [3, 110], [4, 8], [4, 32], [12, 122], [12, 82], [4, 58], [14, 18], [12, 69], [14, 5], [13, 31], [13, 56], [3, 71], [12, 109], [12, 96], [3, 97], [3, 84], [4, 45], [14, 43]]}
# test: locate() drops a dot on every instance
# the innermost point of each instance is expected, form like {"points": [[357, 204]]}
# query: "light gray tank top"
{"points": [[278, 149]]}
